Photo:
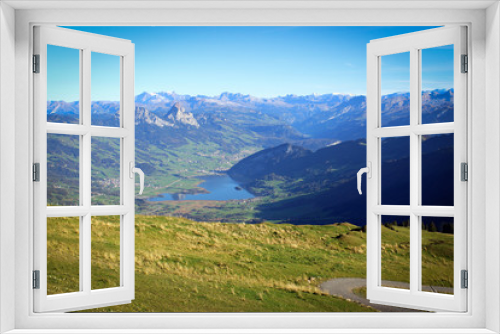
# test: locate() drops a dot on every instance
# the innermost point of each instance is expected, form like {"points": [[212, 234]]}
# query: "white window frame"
{"points": [[483, 145], [414, 43], [86, 44]]}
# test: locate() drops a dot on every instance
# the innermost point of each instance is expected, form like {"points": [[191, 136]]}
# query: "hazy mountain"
{"points": [[62, 108], [338, 117], [345, 121], [144, 116], [276, 160], [437, 106], [178, 116]]}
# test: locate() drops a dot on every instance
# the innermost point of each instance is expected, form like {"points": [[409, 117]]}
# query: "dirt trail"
{"points": [[343, 287]]}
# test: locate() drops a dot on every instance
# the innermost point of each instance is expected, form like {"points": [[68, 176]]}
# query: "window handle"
{"points": [[133, 170], [368, 171]]}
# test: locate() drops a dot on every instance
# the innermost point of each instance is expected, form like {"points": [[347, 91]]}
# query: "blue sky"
{"points": [[261, 61]]}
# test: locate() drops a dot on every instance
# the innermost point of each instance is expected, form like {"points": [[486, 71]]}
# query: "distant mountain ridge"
{"points": [[275, 160], [339, 117]]}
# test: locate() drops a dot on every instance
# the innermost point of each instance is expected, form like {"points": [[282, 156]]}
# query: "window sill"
{"points": [[252, 331]]}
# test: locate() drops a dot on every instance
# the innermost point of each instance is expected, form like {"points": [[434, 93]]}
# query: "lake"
{"points": [[221, 188]]}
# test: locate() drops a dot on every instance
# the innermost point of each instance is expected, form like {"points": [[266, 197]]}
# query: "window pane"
{"points": [[63, 85], [395, 89], [437, 254], [105, 171], [63, 255], [63, 170], [395, 250], [395, 171], [437, 170], [105, 252], [105, 89], [437, 84]]}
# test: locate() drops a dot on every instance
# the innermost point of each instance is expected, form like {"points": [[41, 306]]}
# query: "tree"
{"points": [[448, 228], [432, 227], [389, 226]]}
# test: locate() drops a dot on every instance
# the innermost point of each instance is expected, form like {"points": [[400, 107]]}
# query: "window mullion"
{"points": [[123, 183], [86, 161], [414, 169]]}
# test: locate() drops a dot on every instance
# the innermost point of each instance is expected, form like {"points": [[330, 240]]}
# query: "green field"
{"points": [[187, 266], [174, 169]]}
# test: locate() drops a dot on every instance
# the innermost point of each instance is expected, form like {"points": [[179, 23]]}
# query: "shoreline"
{"points": [[199, 190]]}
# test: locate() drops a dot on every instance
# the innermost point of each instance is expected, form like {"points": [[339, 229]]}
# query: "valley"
{"points": [[297, 155]]}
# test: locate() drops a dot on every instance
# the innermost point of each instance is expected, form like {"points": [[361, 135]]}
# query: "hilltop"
{"points": [[186, 266]]}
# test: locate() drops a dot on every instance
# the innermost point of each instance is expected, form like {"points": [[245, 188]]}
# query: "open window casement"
{"points": [[417, 289], [83, 286]]}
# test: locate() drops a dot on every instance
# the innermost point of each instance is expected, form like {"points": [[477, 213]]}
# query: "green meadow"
{"points": [[188, 266]]}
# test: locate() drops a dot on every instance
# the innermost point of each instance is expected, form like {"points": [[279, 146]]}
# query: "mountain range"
{"points": [[303, 151], [339, 117]]}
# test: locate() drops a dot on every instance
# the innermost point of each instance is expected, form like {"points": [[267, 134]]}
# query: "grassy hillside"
{"points": [[187, 266]]}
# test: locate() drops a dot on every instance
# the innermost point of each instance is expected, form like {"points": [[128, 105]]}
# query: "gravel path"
{"points": [[343, 287]]}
